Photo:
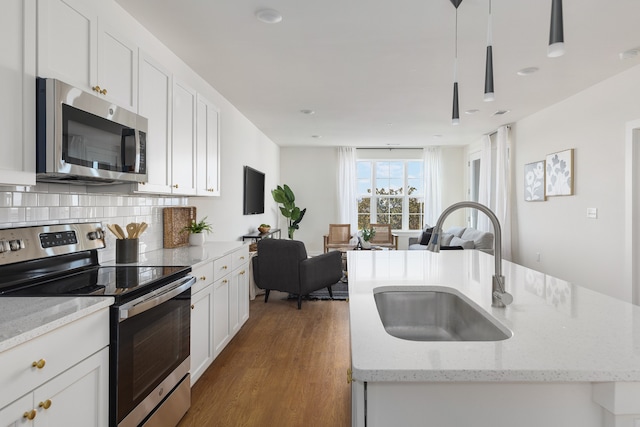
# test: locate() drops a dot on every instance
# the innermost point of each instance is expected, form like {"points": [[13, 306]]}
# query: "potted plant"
{"points": [[196, 229], [264, 228], [284, 196], [367, 235]]}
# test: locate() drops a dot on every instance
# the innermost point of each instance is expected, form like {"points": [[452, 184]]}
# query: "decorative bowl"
{"points": [[264, 229]]}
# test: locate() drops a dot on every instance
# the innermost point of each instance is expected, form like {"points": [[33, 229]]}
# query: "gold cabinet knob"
{"points": [[203, 278], [39, 364], [224, 267], [242, 272], [225, 281], [193, 306], [103, 91], [30, 414], [349, 376], [46, 404], [242, 257], [97, 89]]}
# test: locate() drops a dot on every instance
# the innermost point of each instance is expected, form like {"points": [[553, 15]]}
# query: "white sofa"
{"points": [[456, 237]]}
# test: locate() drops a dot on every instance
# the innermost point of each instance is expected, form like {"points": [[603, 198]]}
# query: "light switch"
{"points": [[592, 213]]}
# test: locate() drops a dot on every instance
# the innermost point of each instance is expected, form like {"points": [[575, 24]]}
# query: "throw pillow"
{"points": [[426, 236], [466, 244], [445, 239]]}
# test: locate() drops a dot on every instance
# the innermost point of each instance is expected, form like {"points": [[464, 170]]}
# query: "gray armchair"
{"points": [[283, 265]]}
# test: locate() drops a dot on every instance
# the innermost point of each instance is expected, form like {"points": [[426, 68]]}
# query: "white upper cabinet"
{"points": [[183, 144], [208, 148], [155, 87], [73, 46], [17, 85]]}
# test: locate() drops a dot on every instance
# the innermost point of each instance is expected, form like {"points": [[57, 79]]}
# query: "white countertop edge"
{"points": [[26, 325]]}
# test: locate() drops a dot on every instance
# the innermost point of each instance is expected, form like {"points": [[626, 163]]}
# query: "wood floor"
{"points": [[286, 367]]}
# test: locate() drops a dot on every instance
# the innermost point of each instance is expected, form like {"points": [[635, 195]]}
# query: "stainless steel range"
{"points": [[150, 321]]}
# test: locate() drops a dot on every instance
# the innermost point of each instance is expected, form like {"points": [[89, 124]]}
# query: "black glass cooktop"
{"points": [[117, 281]]}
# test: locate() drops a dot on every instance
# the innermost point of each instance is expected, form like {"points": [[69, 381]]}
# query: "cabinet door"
{"points": [[78, 397], [117, 67], [207, 137], [67, 44], [201, 332], [155, 86], [183, 171], [234, 301], [16, 414], [220, 314], [17, 104]]}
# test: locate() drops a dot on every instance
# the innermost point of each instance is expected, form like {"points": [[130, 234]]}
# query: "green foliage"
{"points": [[198, 227], [285, 197], [368, 234]]}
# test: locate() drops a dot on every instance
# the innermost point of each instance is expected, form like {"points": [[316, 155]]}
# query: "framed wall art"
{"points": [[559, 174], [534, 178]]}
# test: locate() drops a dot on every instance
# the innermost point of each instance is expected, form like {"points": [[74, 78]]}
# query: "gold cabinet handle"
{"points": [[349, 376], [30, 414], [46, 404], [242, 257], [39, 364]]}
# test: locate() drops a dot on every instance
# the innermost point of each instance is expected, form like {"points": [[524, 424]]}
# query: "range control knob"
{"points": [[4, 246], [16, 244], [96, 235]]}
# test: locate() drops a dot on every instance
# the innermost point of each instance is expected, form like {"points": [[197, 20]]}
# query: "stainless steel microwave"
{"points": [[84, 139]]}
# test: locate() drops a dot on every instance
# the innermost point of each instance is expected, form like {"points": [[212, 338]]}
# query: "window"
{"points": [[391, 192]]}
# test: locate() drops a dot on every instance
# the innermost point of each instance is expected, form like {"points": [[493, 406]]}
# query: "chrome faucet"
{"points": [[499, 297]]}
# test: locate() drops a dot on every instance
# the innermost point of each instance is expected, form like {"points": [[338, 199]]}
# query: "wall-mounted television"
{"points": [[253, 191]]}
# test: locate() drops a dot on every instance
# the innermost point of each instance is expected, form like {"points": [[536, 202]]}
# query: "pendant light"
{"points": [[556, 31], [489, 94], [455, 116]]}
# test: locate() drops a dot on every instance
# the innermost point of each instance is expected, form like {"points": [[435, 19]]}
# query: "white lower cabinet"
{"points": [[220, 306], [60, 380]]}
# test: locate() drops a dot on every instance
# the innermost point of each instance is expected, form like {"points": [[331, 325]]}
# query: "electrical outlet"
{"points": [[592, 213]]}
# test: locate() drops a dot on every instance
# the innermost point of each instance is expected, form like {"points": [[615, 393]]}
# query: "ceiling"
{"points": [[379, 73]]}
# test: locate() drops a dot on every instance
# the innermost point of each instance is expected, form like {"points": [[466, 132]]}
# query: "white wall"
{"points": [[588, 252], [312, 174]]}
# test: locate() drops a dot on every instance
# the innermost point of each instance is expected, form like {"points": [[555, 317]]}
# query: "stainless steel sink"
{"points": [[436, 315]]}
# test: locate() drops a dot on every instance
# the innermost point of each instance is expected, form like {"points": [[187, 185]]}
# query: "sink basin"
{"points": [[436, 315]]}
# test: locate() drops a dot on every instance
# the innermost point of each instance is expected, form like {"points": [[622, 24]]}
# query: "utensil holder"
{"points": [[126, 251]]}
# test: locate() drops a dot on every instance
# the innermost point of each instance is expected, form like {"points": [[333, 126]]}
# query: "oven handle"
{"points": [[147, 302]]}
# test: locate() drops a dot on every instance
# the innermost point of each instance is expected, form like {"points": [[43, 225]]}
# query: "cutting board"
{"points": [[176, 219]]}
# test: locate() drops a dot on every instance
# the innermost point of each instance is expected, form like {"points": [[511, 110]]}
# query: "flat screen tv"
{"points": [[253, 191]]}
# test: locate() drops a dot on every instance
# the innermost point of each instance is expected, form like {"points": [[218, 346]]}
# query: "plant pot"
{"points": [[366, 244], [196, 239]]}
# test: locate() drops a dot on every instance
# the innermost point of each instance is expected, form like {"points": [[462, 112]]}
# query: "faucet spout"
{"points": [[499, 297]]}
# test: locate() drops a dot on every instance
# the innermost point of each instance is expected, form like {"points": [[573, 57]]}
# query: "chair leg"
{"points": [[299, 301], [266, 295], [330, 291]]}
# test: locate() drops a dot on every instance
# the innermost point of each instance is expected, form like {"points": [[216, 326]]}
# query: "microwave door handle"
{"points": [[140, 305], [137, 139]]}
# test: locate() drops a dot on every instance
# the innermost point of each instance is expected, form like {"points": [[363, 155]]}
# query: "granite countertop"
{"points": [[561, 331], [25, 318]]}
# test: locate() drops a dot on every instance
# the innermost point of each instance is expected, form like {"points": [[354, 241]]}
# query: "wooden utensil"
{"points": [[141, 227], [132, 227], [115, 231], [120, 230]]}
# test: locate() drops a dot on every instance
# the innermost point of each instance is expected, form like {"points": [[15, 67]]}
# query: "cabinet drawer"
{"points": [[60, 349], [222, 266], [240, 257], [204, 276]]}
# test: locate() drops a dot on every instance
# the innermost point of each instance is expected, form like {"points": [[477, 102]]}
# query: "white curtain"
{"points": [[484, 187], [502, 207], [347, 187], [432, 184]]}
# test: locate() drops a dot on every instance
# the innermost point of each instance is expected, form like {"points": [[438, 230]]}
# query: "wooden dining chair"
{"points": [[338, 237], [383, 236]]}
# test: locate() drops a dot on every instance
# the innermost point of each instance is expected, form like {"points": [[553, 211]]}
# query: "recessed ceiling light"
{"points": [[437, 135], [316, 136], [392, 144], [471, 111], [527, 71], [500, 112], [631, 53], [268, 16], [307, 112]]}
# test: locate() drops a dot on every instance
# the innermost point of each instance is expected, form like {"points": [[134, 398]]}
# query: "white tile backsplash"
{"points": [[47, 203]]}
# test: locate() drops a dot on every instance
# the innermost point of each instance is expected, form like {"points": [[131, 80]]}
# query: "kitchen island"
{"points": [[573, 358]]}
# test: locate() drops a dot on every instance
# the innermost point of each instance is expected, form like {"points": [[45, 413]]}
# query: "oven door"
{"points": [[150, 340]]}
